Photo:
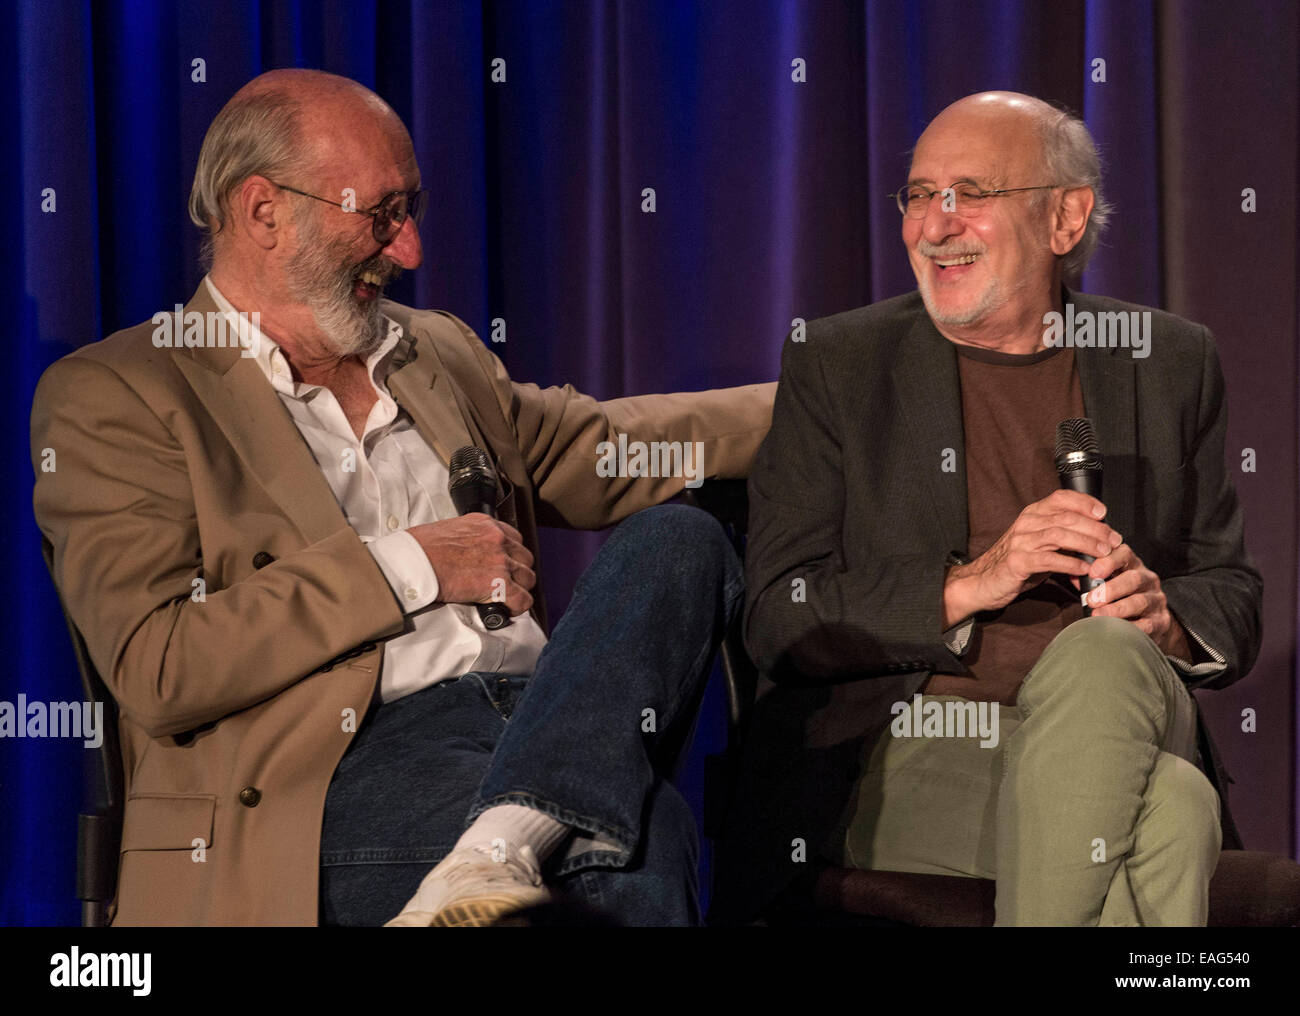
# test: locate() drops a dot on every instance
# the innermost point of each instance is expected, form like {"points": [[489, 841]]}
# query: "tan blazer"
{"points": [[236, 694]]}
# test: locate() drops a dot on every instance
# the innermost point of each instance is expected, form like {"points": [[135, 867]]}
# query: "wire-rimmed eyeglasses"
{"points": [[964, 198], [388, 215]]}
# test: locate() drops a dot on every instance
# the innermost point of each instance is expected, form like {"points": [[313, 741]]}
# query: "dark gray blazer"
{"points": [[848, 494]]}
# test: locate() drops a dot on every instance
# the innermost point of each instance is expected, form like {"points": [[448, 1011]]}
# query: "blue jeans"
{"points": [[591, 738]]}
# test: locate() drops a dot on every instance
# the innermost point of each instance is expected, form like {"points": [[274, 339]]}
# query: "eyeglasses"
{"points": [[388, 216], [966, 199]]}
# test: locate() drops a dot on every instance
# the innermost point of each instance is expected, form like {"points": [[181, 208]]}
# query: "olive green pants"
{"points": [[1088, 810]]}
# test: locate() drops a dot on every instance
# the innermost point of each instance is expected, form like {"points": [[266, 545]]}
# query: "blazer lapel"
{"points": [[420, 384], [925, 377], [247, 409], [1107, 379]]}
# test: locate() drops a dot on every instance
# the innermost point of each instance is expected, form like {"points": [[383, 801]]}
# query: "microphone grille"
{"points": [[1076, 445], [470, 465]]}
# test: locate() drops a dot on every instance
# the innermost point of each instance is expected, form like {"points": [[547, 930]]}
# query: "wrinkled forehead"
{"points": [[993, 149], [363, 146]]}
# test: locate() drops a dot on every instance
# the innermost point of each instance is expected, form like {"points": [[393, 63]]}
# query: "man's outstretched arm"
{"points": [[563, 435]]}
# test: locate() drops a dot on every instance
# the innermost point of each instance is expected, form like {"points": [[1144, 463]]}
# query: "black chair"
{"points": [[99, 826], [1249, 888]]}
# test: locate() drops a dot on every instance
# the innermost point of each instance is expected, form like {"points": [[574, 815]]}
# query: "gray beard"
{"points": [[315, 279], [991, 301]]}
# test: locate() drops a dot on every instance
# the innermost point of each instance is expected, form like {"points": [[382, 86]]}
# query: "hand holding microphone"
{"points": [[1063, 533], [1078, 464], [1132, 591], [473, 488], [477, 558]]}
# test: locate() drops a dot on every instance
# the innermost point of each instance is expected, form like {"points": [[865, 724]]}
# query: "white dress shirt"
{"points": [[386, 483]]}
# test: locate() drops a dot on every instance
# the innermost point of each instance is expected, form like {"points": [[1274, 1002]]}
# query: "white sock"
{"points": [[518, 825]]}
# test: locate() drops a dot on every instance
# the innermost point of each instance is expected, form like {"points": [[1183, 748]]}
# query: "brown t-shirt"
{"points": [[1011, 404]]}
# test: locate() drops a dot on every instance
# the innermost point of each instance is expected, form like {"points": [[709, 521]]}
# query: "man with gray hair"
{"points": [[935, 698], [338, 700]]}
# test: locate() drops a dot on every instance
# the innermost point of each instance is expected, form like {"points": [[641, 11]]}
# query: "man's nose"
{"points": [[405, 248], [939, 224]]}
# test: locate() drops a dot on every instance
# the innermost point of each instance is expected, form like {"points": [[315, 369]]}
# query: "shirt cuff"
{"points": [[957, 637], [407, 569], [1204, 668]]}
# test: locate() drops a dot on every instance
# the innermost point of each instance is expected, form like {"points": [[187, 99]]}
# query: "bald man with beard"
{"points": [[911, 557], [256, 540]]}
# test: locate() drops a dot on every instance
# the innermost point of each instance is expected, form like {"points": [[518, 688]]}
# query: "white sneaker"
{"points": [[473, 887]]}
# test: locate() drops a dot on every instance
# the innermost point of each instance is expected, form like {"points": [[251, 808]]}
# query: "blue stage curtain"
{"points": [[770, 205]]}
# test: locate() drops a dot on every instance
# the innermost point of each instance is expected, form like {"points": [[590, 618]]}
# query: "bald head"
{"points": [[1019, 180], [1034, 143], [308, 192], [1007, 129], [292, 125], [338, 118], [312, 87], [1011, 113]]}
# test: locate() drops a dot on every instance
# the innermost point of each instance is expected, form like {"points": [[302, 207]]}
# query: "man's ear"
{"points": [[260, 210], [1070, 218]]}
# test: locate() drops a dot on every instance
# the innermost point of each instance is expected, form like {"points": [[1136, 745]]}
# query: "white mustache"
{"points": [[929, 250]]}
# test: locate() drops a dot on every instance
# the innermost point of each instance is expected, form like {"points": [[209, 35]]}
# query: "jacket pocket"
{"points": [[163, 878], [168, 821]]}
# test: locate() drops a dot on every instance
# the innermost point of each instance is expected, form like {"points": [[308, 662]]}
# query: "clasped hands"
{"points": [[1034, 547]]}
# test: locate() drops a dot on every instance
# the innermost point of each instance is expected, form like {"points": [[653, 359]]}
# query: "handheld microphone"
{"points": [[473, 488], [1078, 463]]}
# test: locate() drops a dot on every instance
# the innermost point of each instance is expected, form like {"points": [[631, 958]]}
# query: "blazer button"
{"points": [[261, 559], [249, 797]]}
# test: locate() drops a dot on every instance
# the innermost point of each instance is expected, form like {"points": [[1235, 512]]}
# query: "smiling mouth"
{"points": [[367, 285], [953, 262]]}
